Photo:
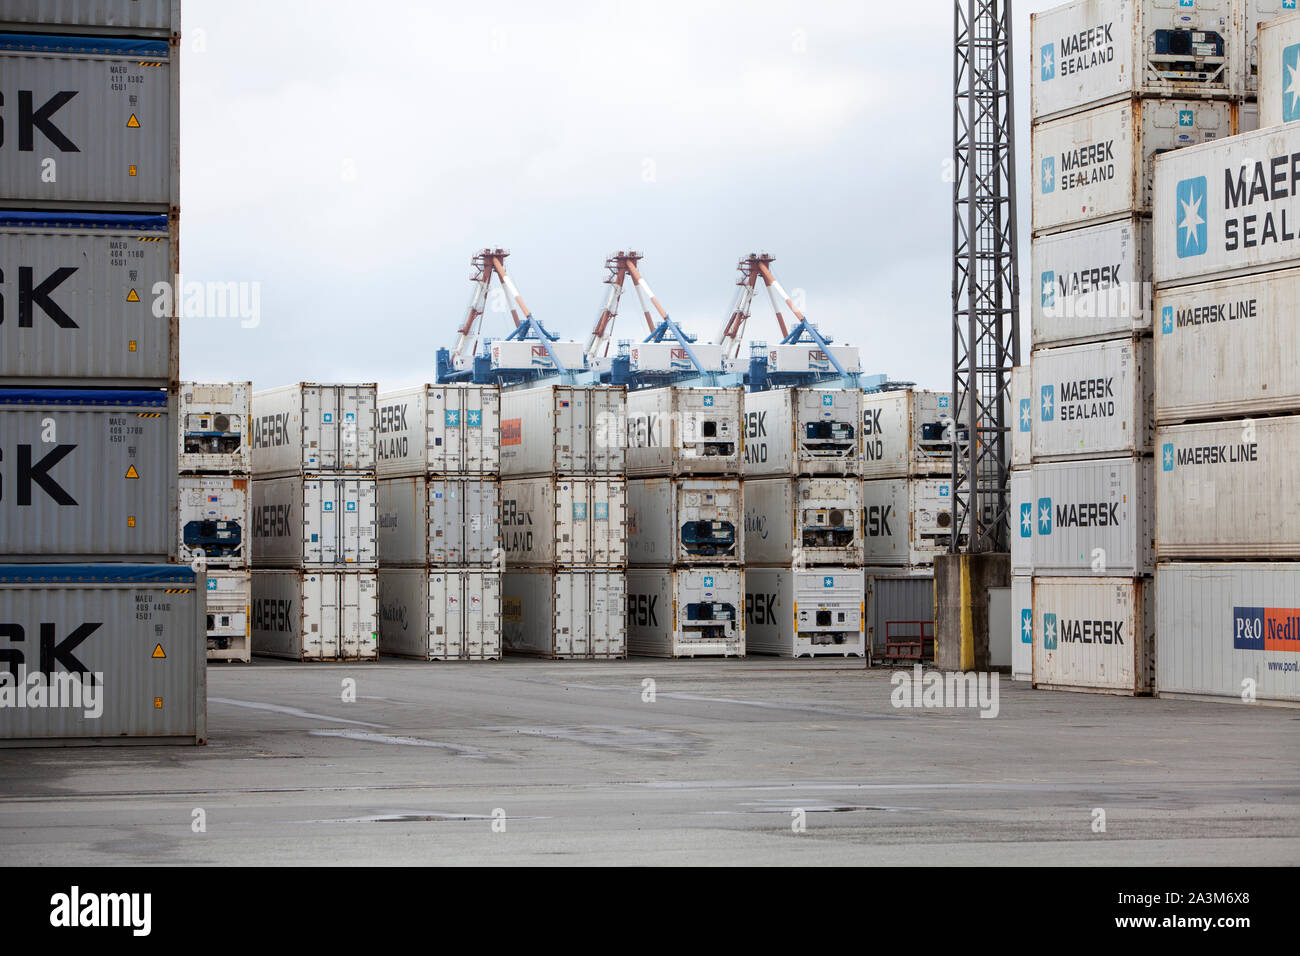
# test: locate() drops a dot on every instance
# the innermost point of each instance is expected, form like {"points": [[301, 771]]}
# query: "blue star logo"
{"points": [[1190, 217], [828, 582], [1291, 82], [1167, 457], [1166, 320], [1047, 410], [1049, 632], [1044, 515], [452, 418], [1026, 414], [475, 418], [1026, 519], [1186, 118], [1047, 63], [1048, 285], [1049, 174], [1026, 626]]}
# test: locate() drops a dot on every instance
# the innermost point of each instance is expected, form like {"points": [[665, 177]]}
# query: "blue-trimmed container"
{"points": [[152, 18]]}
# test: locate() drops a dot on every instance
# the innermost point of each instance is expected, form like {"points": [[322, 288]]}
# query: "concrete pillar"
{"points": [[961, 608]]}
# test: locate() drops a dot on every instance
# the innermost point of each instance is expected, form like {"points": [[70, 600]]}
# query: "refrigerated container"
{"points": [[1094, 634], [672, 357], [1022, 627], [135, 631], [1272, 34], [216, 520], [87, 475], [440, 614], [564, 615], [686, 612], [802, 431], [805, 613], [309, 428], [1022, 407], [316, 615], [1093, 401], [439, 522], [564, 522], [563, 430], [680, 521], [135, 17], [439, 430], [906, 521], [314, 521], [229, 597], [903, 433], [213, 428], [1023, 521], [678, 431], [803, 521], [1092, 517]]}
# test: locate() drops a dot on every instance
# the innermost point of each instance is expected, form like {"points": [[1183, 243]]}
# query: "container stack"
{"points": [[685, 586], [906, 515], [315, 551], [1022, 526], [564, 521], [95, 611], [215, 513], [802, 538], [439, 500]]}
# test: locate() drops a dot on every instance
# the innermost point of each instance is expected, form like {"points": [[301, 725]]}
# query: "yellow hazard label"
{"points": [[130, 521], [132, 473], [130, 170], [130, 346], [133, 123], [132, 296], [158, 651], [157, 703]]}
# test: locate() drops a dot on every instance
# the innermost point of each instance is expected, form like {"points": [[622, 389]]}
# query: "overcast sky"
{"points": [[352, 158]]}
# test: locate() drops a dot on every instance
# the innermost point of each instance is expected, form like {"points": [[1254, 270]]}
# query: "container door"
{"points": [[570, 452], [454, 614], [361, 545], [608, 522], [481, 521], [452, 410], [608, 617], [572, 524], [609, 411], [327, 429], [442, 527], [327, 624], [566, 635], [484, 631], [356, 422], [441, 642], [313, 523], [577, 591], [482, 431]]}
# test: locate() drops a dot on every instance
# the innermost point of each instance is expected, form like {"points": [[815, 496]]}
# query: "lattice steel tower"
{"points": [[985, 286]]}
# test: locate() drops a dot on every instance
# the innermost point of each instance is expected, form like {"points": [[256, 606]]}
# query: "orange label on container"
{"points": [[1282, 629], [512, 431]]}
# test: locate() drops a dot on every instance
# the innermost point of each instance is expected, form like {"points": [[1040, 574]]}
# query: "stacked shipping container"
{"points": [[1022, 525]]}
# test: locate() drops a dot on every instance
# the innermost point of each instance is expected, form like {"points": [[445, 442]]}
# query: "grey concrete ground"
{"points": [[585, 771]]}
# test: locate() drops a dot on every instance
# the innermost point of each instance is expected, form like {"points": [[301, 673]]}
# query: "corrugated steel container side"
{"points": [[1093, 400], [1247, 117], [808, 521], [1022, 405], [563, 430], [216, 519], [316, 615], [80, 294], [440, 430], [440, 615], [1229, 489], [313, 429], [1094, 634], [802, 431], [680, 521], [1270, 37], [679, 431], [565, 615], [902, 433], [1093, 283], [564, 522], [808, 613], [112, 621], [1229, 348], [1228, 630], [214, 428], [316, 521], [900, 606], [137, 17], [439, 522], [109, 111], [906, 521], [229, 600], [1092, 517], [1023, 521], [1022, 627], [686, 612], [90, 475]]}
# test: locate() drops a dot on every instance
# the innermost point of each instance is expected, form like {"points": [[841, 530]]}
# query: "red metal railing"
{"points": [[917, 646]]}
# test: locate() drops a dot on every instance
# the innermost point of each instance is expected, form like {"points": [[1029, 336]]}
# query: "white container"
{"points": [[1092, 517], [1247, 117], [1022, 406], [229, 598], [803, 521], [902, 433], [1023, 521], [678, 431], [805, 613], [564, 615], [672, 357], [439, 522], [812, 358], [440, 615], [1229, 489], [1093, 400], [686, 612], [1226, 209], [802, 431], [681, 521], [314, 522], [1022, 627], [439, 430], [531, 354], [1270, 41], [316, 615], [1094, 166], [216, 520], [1094, 51], [213, 428], [1228, 630], [1229, 348], [1094, 634], [564, 522], [906, 521], [308, 429], [563, 430], [1093, 283]]}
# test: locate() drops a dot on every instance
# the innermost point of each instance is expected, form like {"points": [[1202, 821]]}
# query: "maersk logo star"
{"points": [[1047, 66], [1291, 83], [1026, 414], [1026, 626], [1167, 457], [1049, 632], [1191, 217], [1047, 411], [1026, 519], [1166, 320], [1049, 174], [1049, 289], [1044, 515]]}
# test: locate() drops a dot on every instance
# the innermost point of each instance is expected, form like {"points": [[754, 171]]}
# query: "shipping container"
{"points": [[315, 521], [440, 614], [80, 287], [216, 520], [900, 609], [1229, 489], [1092, 517], [673, 357], [439, 522], [1094, 634], [87, 475], [440, 430], [802, 431], [686, 612], [136, 17], [1228, 630], [564, 522], [1022, 627], [563, 430], [128, 665], [1093, 400], [534, 355], [1272, 30], [307, 428], [229, 598], [1225, 209], [564, 615], [803, 521], [1096, 51], [903, 433], [1023, 408], [94, 122], [1093, 283], [678, 431], [681, 521], [316, 615], [1094, 166], [1247, 117], [805, 357], [1022, 521], [213, 426], [906, 521], [1229, 348], [805, 613]]}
